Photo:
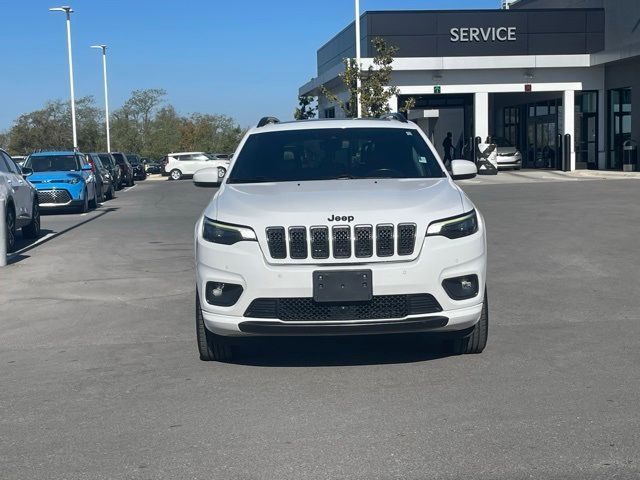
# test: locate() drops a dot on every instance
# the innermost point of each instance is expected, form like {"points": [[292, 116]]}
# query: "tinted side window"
{"points": [[3, 163], [184, 158], [11, 164]]}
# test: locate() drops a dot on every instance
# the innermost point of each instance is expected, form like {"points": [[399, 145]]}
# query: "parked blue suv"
{"points": [[63, 179]]}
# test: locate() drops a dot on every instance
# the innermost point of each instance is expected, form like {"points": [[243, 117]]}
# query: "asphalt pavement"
{"points": [[100, 376]]}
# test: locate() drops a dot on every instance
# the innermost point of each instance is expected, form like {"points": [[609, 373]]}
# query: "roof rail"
{"points": [[267, 121], [394, 116]]}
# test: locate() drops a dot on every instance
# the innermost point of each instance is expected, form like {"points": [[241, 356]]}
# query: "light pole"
{"points": [[69, 11], [106, 91], [358, 80]]}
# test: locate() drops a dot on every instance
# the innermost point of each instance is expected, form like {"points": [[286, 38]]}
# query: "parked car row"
{"points": [[56, 180]]}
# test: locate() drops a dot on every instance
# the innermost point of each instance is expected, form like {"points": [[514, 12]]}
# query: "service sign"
{"points": [[483, 34]]}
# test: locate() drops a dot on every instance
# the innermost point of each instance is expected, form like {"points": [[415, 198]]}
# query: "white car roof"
{"points": [[333, 123], [185, 153]]}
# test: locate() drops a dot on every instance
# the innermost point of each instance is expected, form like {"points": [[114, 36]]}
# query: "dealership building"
{"points": [[528, 75]]}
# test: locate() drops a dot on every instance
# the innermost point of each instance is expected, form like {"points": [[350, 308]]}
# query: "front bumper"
{"points": [[509, 161], [244, 264]]}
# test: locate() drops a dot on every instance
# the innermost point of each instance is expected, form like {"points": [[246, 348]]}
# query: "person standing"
{"points": [[447, 145]]}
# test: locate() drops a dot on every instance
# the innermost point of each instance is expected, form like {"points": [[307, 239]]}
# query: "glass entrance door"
{"points": [[542, 132], [620, 125]]}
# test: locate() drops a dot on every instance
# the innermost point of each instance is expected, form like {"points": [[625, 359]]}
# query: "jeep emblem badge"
{"points": [[338, 218]]}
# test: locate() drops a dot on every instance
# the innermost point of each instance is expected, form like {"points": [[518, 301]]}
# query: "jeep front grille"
{"points": [[342, 241], [307, 310]]}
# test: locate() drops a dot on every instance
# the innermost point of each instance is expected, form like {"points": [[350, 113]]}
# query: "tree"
{"points": [[305, 109], [375, 89]]}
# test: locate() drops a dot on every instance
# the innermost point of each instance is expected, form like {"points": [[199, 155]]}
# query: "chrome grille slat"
{"points": [[277, 243], [406, 238], [363, 235], [298, 243], [384, 240], [319, 242], [341, 241]]}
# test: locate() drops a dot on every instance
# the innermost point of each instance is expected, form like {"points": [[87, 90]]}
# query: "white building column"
{"points": [[393, 103], [568, 103], [481, 114]]}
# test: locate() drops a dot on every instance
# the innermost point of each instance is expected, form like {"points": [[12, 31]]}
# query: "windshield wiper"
{"points": [[250, 180], [344, 176]]}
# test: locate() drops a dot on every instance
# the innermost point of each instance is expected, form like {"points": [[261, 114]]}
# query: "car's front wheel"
{"points": [[84, 206], [212, 347], [94, 202], [476, 340], [175, 174], [33, 229], [10, 220]]}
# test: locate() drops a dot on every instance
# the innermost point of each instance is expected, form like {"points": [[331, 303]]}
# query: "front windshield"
{"points": [[502, 142], [53, 163], [334, 153], [106, 159]]}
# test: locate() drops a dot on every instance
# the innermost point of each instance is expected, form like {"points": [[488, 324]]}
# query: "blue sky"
{"points": [[244, 58]]}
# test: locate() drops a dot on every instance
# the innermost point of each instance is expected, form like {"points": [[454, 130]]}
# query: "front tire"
{"points": [[175, 174], [84, 208], [475, 341], [110, 192], [33, 229], [94, 203], [211, 347], [10, 220]]}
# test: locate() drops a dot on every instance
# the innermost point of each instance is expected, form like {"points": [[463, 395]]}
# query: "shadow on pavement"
{"points": [[18, 256], [339, 351]]}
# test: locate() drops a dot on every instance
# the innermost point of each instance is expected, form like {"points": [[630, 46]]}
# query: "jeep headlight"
{"points": [[455, 227], [74, 180], [226, 234]]}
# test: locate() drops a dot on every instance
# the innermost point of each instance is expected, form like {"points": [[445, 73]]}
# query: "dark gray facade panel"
{"points": [[595, 22], [558, 22], [559, 44], [429, 33], [401, 23]]}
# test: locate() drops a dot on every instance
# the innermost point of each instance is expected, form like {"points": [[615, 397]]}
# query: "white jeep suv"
{"points": [[188, 163], [334, 227]]}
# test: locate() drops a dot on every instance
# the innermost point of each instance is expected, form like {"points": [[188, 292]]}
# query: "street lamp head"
{"points": [[64, 9], [102, 47]]}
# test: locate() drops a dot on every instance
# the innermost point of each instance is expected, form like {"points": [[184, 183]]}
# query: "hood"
{"points": [[325, 203], [54, 177], [506, 150]]}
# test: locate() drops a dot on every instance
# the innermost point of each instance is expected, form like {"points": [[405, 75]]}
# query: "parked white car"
{"points": [[21, 201], [339, 227], [187, 163]]}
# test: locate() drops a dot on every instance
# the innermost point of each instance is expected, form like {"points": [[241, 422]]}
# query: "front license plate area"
{"points": [[342, 286]]}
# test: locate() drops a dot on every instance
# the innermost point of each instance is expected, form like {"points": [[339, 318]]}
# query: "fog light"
{"points": [[461, 288], [223, 294]]}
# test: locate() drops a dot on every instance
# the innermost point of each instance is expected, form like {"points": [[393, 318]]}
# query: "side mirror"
{"points": [[87, 167], [26, 171], [206, 177], [463, 169]]}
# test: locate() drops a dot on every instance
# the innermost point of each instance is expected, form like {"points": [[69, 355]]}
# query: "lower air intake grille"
{"points": [[54, 196], [307, 310]]}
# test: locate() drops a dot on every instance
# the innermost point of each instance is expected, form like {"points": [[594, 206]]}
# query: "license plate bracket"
{"points": [[342, 286]]}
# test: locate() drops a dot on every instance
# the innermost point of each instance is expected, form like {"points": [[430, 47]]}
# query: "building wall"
{"points": [[622, 26]]}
